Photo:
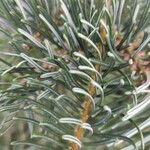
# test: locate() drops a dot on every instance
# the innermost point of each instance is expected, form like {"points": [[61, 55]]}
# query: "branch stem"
{"points": [[79, 131]]}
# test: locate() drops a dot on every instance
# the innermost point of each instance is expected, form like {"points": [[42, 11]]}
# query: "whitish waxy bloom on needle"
{"points": [[145, 86], [137, 109]]}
